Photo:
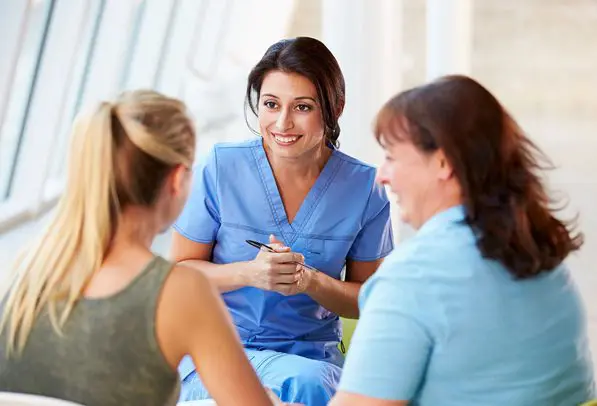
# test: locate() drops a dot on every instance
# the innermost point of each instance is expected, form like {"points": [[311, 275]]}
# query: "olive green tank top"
{"points": [[108, 354]]}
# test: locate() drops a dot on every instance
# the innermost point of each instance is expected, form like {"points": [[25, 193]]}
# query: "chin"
{"points": [[404, 217], [286, 151]]}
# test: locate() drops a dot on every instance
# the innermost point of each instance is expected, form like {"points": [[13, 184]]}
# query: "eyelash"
{"points": [[306, 109], [303, 108]]}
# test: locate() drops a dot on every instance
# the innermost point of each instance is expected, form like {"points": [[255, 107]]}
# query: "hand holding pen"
{"points": [[276, 268]]}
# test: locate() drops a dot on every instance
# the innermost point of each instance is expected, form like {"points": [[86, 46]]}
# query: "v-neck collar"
{"points": [[290, 231]]}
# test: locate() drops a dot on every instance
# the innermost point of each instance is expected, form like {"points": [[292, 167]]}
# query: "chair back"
{"points": [[22, 399]]}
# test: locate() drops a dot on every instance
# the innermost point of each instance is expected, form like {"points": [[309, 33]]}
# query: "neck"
{"points": [[308, 165], [450, 198], [136, 227]]}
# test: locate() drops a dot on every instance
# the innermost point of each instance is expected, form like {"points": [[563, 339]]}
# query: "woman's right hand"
{"points": [[275, 271]]}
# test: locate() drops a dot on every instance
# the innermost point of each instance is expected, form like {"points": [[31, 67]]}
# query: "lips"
{"points": [[286, 139]]}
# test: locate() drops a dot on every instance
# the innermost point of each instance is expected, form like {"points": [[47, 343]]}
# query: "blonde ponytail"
{"points": [[76, 239], [146, 141]]}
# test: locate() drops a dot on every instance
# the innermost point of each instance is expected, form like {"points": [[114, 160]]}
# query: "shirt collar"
{"points": [[454, 214]]}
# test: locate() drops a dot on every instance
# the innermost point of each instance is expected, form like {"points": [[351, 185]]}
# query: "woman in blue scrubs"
{"points": [[293, 189]]}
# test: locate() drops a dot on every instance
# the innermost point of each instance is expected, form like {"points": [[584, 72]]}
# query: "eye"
{"points": [[270, 104], [389, 158], [304, 107]]}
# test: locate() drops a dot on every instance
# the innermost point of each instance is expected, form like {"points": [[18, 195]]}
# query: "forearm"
{"points": [[225, 277], [335, 295]]}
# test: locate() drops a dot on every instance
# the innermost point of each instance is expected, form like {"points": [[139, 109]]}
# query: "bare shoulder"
{"points": [[187, 284], [187, 296]]}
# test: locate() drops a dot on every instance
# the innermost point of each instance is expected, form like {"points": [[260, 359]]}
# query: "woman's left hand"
{"points": [[303, 280]]}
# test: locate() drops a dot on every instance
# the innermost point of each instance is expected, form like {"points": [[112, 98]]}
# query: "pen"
{"points": [[260, 245]]}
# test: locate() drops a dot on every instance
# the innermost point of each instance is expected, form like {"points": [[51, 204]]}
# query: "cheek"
{"points": [[187, 188], [311, 125], [405, 181], [412, 182], [395, 174], [265, 119], [184, 188]]}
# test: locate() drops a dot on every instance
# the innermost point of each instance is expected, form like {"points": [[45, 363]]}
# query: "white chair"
{"points": [[22, 399]]}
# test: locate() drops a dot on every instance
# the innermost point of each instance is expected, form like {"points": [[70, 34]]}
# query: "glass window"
{"points": [[153, 25], [37, 23], [209, 38], [76, 87], [138, 15]]}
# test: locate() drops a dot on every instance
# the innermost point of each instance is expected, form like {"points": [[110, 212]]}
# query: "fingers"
{"points": [[285, 279], [283, 257], [278, 269], [277, 247], [274, 240]]}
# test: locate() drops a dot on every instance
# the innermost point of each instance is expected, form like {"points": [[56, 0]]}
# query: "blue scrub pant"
{"points": [[293, 378]]}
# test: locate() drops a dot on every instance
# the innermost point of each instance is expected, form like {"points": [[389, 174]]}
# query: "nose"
{"points": [[380, 177], [284, 121]]}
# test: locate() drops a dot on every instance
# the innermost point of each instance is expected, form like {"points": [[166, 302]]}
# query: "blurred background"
{"points": [[59, 56]]}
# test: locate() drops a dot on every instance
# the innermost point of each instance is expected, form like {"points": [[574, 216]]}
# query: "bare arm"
{"points": [[192, 319], [343, 398], [225, 277], [270, 271], [340, 297]]}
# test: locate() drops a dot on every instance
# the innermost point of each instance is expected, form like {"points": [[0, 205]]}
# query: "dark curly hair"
{"points": [[496, 165]]}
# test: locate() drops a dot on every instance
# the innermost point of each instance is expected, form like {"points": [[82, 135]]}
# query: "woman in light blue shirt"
{"points": [[292, 188], [478, 307]]}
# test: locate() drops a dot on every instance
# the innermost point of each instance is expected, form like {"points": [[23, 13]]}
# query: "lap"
{"points": [[292, 377], [277, 367], [296, 379]]}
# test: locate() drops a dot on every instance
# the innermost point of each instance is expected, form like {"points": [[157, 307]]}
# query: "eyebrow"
{"points": [[296, 98]]}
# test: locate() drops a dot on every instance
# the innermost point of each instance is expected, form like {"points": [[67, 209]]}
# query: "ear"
{"points": [[445, 170], [178, 179]]}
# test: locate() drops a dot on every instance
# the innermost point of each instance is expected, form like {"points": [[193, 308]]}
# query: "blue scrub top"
{"points": [[345, 215]]}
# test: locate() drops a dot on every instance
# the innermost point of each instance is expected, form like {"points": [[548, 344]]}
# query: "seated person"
{"points": [[293, 188], [478, 307], [91, 314]]}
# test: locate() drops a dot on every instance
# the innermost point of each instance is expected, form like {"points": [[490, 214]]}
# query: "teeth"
{"points": [[285, 139]]}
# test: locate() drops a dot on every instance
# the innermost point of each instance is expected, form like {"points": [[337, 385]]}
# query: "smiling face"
{"points": [[424, 182], [289, 114], [411, 176]]}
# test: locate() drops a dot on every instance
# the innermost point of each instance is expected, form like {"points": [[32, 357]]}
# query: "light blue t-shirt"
{"points": [[345, 216], [441, 325]]}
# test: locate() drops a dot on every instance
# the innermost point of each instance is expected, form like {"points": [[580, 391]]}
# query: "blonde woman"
{"points": [[92, 315]]}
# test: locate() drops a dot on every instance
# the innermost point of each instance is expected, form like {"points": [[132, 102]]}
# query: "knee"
{"points": [[321, 374], [313, 384]]}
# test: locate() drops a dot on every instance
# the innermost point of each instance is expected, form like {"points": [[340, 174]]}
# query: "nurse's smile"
{"points": [[286, 139]]}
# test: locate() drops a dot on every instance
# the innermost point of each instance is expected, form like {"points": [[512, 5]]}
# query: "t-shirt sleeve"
{"points": [[374, 240], [392, 343], [200, 218]]}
